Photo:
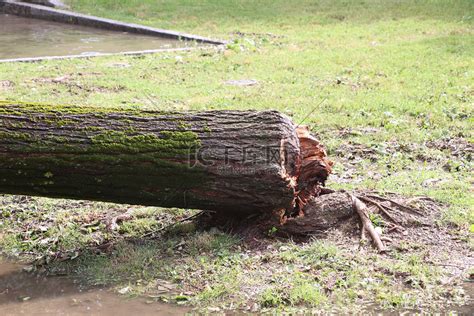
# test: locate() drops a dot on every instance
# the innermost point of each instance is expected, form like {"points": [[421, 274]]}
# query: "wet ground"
{"points": [[23, 293], [21, 38]]}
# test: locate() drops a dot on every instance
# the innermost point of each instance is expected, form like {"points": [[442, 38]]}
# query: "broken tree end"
{"points": [[311, 173]]}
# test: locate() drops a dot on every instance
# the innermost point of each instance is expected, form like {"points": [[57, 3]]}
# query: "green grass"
{"points": [[387, 85], [213, 269]]}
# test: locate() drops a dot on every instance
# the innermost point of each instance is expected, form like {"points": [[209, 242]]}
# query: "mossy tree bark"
{"points": [[226, 161]]}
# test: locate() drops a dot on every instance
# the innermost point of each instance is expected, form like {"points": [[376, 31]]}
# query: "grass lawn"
{"points": [[389, 89]]}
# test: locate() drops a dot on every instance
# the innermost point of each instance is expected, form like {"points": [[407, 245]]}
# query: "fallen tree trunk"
{"points": [[226, 161]]}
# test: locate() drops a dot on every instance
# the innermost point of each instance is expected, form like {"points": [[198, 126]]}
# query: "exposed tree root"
{"points": [[382, 209], [401, 206], [361, 210], [332, 209]]}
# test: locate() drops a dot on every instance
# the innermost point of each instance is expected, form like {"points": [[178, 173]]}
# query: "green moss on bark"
{"points": [[169, 143]]}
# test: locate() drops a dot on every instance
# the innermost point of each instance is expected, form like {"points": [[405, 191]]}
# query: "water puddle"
{"points": [[23, 293], [26, 38]]}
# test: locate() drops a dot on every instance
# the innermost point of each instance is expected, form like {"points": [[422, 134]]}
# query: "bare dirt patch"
{"points": [[75, 83], [6, 85], [457, 146]]}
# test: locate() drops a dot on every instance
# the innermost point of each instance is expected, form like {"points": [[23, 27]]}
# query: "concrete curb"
{"points": [[131, 53], [49, 3]]}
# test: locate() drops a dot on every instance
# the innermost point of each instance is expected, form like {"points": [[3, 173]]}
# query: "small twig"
{"points": [[381, 192], [385, 238], [361, 209], [394, 227], [416, 198], [112, 223], [448, 265], [363, 237]]}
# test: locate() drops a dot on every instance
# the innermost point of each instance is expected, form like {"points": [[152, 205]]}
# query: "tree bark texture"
{"points": [[225, 161]]}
